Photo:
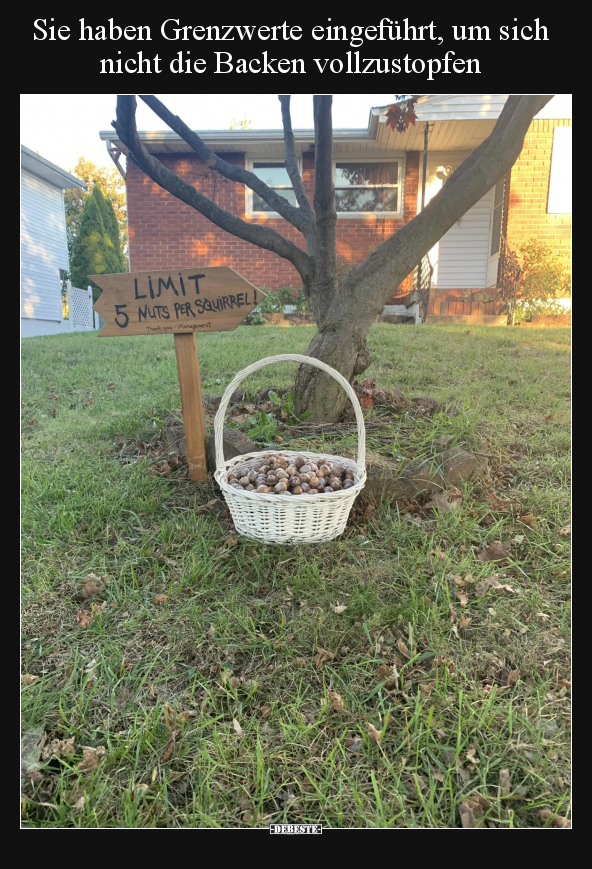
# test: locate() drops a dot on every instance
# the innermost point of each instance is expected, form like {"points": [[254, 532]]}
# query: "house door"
{"points": [[496, 232]]}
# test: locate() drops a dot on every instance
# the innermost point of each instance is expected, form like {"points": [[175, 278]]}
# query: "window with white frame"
{"points": [[275, 175], [368, 186]]}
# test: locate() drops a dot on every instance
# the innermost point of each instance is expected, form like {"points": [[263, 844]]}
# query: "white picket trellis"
{"points": [[80, 308]]}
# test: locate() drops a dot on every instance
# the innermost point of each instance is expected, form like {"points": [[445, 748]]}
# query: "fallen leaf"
{"points": [[462, 597], [84, 618], [354, 744], [91, 758], [529, 519], [32, 742], [519, 538], [374, 734], [382, 672], [495, 551], [445, 502], [565, 532], [322, 657], [426, 689], [160, 599], [335, 700], [439, 776], [471, 812], [458, 580], [28, 679], [111, 386], [403, 648], [53, 396], [92, 588], [464, 621], [58, 748], [505, 782], [340, 608], [75, 392], [238, 729], [556, 820], [32, 421], [300, 662], [512, 677], [265, 710]]}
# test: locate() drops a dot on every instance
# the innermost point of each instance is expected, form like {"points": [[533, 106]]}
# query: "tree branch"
{"points": [[324, 204], [376, 278], [228, 170], [262, 236], [291, 161]]}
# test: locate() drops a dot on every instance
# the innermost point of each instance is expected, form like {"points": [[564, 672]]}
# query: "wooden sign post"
{"points": [[180, 302]]}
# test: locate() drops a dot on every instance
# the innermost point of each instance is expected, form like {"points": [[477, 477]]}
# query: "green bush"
{"points": [[542, 280]]}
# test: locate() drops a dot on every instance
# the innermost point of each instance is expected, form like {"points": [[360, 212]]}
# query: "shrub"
{"points": [[542, 280]]}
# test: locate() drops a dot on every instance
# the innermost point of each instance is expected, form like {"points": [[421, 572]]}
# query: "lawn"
{"points": [[210, 681]]}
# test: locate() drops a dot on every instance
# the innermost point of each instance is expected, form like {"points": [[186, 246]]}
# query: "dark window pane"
{"points": [[366, 173], [260, 205], [379, 199], [272, 173]]}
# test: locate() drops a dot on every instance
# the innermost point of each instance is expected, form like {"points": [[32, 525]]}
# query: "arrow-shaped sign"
{"points": [[179, 302]]}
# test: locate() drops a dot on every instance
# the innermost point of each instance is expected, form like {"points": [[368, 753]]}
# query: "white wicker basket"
{"points": [[303, 518]]}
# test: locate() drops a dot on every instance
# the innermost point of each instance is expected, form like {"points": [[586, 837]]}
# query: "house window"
{"points": [[275, 175], [368, 187], [559, 201]]}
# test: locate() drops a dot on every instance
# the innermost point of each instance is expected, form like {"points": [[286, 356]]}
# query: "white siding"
{"points": [[461, 256], [44, 250]]}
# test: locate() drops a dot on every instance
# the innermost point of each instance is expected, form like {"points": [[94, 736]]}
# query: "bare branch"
{"points": [[235, 173], [291, 161], [262, 236]]}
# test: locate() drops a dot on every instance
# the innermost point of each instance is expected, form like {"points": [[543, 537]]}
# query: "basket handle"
{"points": [[287, 357]]}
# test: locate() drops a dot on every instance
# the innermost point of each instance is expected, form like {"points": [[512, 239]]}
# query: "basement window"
{"points": [[368, 187]]}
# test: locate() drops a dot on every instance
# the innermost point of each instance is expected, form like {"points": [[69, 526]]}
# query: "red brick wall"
{"points": [[166, 233], [529, 189]]}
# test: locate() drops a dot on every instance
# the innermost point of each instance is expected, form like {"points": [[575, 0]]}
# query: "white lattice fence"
{"points": [[80, 308]]}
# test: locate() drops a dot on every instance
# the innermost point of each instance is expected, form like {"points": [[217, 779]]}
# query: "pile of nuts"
{"points": [[288, 475]]}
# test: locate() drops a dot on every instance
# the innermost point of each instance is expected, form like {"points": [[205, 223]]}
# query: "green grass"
{"points": [[223, 646]]}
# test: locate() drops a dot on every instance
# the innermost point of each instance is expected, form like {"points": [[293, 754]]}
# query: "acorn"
{"points": [[281, 486], [286, 492], [299, 461], [295, 481], [244, 481], [296, 490], [249, 488], [349, 475], [314, 481], [335, 483], [304, 478], [291, 470], [252, 476], [245, 472], [263, 469], [281, 474], [271, 479], [321, 483], [263, 489], [305, 487], [328, 489], [313, 492], [305, 469], [231, 477]]}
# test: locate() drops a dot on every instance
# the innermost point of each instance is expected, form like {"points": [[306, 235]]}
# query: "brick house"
{"points": [[381, 177]]}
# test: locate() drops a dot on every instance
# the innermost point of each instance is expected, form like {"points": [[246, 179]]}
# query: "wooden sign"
{"points": [[180, 302]]}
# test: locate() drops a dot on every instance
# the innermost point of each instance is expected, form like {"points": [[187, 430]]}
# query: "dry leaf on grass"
{"points": [[91, 758], [445, 502], [32, 742], [300, 662], [484, 585], [335, 700], [340, 608], [160, 599], [84, 618], [354, 743], [547, 815], [471, 812], [374, 734], [237, 728], [92, 588], [58, 748], [505, 782], [496, 551], [462, 597], [512, 677], [28, 679], [403, 648], [565, 532], [322, 657]]}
